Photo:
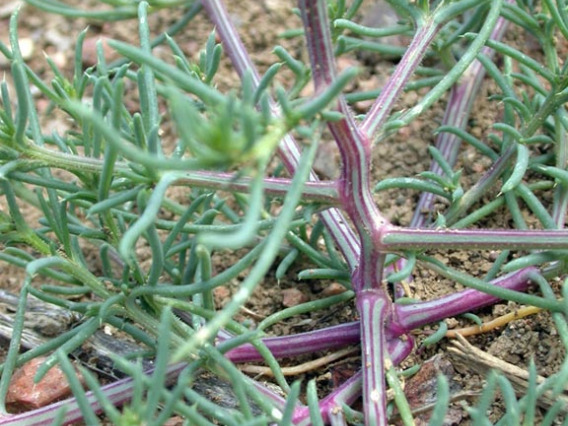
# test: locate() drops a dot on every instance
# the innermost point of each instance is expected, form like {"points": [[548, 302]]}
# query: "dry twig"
{"points": [[301, 368], [478, 361], [495, 323]]}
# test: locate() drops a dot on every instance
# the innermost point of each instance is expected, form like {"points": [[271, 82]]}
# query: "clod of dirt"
{"points": [[222, 295], [293, 297], [511, 346], [24, 394]]}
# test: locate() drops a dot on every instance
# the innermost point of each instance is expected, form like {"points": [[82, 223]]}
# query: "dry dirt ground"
{"points": [[260, 23]]}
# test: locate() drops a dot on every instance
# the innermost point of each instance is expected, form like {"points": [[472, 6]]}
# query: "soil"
{"points": [[260, 23]]}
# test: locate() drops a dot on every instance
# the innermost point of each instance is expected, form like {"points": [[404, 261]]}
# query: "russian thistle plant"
{"points": [[225, 144]]}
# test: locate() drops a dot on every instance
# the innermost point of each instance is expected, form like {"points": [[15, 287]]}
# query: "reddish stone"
{"points": [[24, 394], [292, 297], [333, 290]]}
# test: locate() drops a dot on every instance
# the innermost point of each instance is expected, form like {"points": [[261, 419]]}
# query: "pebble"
{"points": [[24, 394], [293, 297], [90, 50], [221, 294], [27, 47], [174, 421], [380, 14], [333, 290]]}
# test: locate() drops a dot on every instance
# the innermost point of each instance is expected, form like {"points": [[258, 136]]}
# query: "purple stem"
{"points": [[354, 189], [381, 108], [121, 391], [374, 309], [306, 343], [298, 344], [288, 149], [457, 114], [409, 317], [561, 193], [354, 147], [117, 393], [366, 261], [406, 318], [320, 192], [348, 392], [395, 238]]}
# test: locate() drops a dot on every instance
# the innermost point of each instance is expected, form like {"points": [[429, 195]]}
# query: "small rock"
{"points": [[452, 322], [333, 290], [90, 50], [277, 6], [221, 294], [59, 39], [380, 14], [59, 59], [174, 421], [326, 163], [293, 297], [24, 394], [26, 47]]}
